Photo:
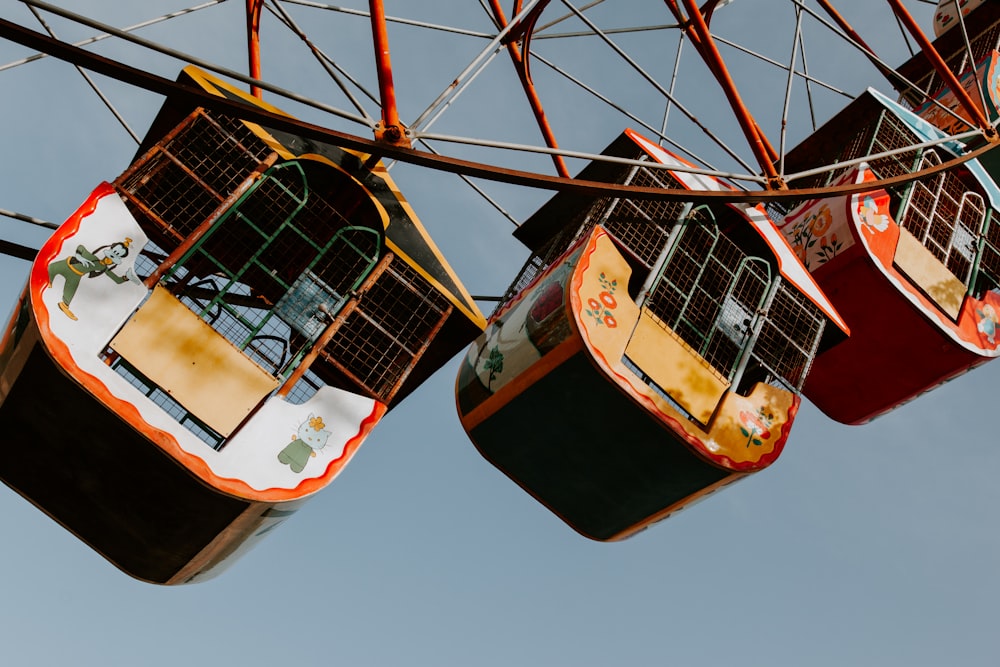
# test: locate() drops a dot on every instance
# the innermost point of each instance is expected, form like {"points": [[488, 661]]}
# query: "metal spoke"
{"points": [[788, 92], [393, 19], [476, 65], [659, 87], [660, 134], [93, 85], [83, 20], [325, 61], [27, 218], [103, 36]]}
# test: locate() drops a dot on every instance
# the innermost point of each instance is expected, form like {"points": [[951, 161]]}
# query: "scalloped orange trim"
{"points": [[964, 333], [696, 443], [164, 440]]}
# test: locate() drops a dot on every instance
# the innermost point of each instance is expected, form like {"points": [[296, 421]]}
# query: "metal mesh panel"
{"points": [[788, 338], [880, 133], [257, 244], [891, 134], [945, 218], [723, 303], [708, 293], [182, 180], [641, 226], [304, 389], [275, 269], [383, 337]]}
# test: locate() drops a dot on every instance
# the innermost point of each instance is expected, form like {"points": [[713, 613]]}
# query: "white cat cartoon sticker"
{"points": [[311, 438]]}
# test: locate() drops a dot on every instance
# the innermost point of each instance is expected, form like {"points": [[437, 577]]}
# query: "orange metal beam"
{"points": [[521, 66], [390, 129], [702, 37], [254, 8]]}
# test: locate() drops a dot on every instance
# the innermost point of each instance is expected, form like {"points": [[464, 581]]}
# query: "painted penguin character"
{"points": [[310, 439], [91, 264]]}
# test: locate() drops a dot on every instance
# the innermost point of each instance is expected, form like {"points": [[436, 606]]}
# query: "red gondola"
{"points": [[914, 269]]}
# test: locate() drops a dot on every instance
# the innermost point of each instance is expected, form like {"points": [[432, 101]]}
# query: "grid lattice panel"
{"points": [[304, 389], [789, 336], [256, 253], [732, 327], [859, 143], [192, 173], [383, 337], [882, 132], [893, 134], [270, 242], [708, 294], [963, 244], [677, 294], [238, 241], [945, 217], [220, 150], [643, 225], [916, 219], [370, 353], [340, 270]]}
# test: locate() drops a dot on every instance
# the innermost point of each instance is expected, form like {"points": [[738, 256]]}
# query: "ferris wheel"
{"points": [[729, 88], [741, 198]]}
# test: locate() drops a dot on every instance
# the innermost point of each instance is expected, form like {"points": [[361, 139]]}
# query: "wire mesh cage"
{"points": [[946, 218], [945, 212], [717, 291], [270, 256], [383, 337], [186, 176]]}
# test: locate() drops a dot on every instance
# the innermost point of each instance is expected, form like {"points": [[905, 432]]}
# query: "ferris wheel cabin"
{"points": [[914, 269], [207, 341], [648, 353]]}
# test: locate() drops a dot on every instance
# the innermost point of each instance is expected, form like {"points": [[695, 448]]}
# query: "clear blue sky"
{"points": [[861, 546]]}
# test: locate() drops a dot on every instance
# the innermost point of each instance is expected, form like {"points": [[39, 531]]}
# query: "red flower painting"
{"points": [[755, 425]]}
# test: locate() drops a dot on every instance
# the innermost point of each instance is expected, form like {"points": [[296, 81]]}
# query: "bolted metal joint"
{"points": [[392, 134]]}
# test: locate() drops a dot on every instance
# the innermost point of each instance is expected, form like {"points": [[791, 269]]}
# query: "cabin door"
{"points": [[258, 289], [938, 245], [700, 317], [278, 266]]}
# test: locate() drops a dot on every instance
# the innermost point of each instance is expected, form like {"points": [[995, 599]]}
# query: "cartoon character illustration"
{"points": [[872, 219], [988, 323], [91, 264], [310, 439]]}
